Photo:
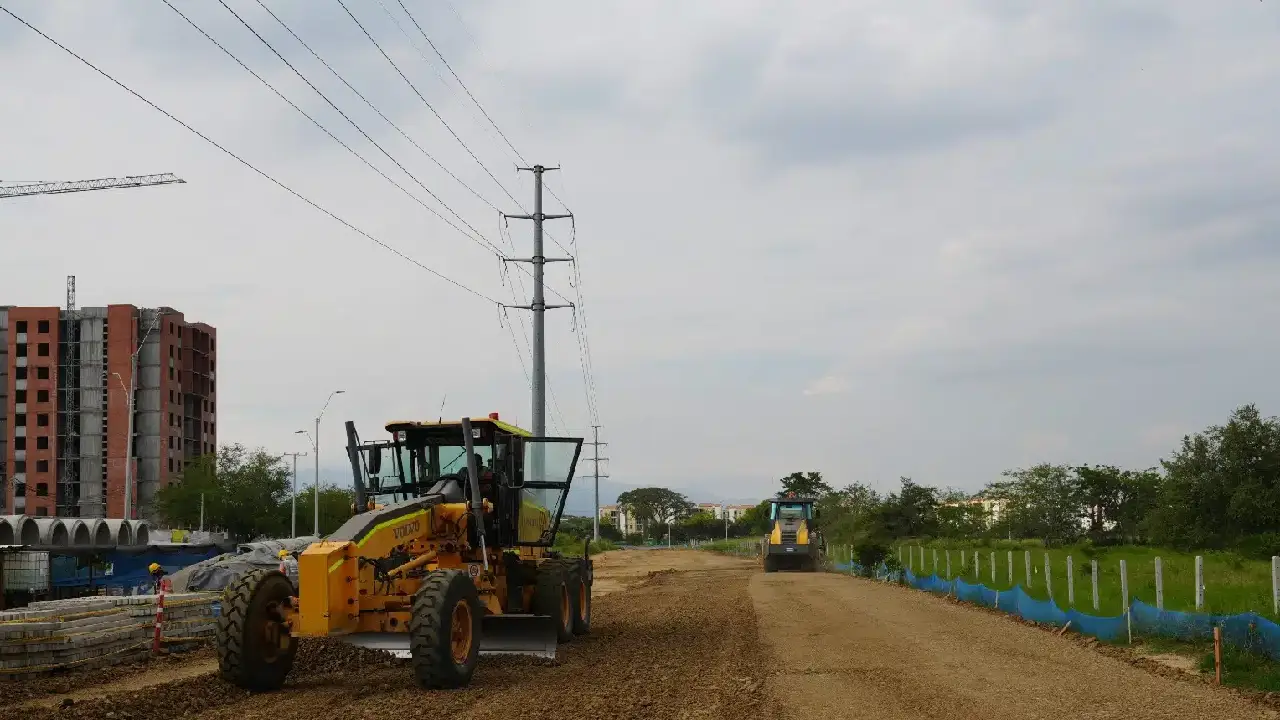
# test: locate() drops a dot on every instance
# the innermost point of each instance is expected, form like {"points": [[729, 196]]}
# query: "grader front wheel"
{"points": [[444, 631], [255, 648]]}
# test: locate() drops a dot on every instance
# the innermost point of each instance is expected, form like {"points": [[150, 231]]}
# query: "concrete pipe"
{"points": [[121, 532], [141, 532], [99, 532], [53, 531], [79, 529], [25, 531]]}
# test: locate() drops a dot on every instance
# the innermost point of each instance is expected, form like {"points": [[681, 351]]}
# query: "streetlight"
{"points": [[315, 448], [131, 391]]}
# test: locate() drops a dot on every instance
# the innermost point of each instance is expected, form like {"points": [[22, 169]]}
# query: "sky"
{"points": [[871, 238]]}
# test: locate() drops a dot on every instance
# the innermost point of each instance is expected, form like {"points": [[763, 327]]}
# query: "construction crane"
{"points": [[57, 188]]}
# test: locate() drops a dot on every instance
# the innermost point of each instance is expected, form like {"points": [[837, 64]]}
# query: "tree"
{"points": [[807, 484], [654, 505], [335, 509], [242, 492], [910, 512], [1223, 484], [755, 521], [958, 516], [1116, 502], [577, 527], [1043, 501]]}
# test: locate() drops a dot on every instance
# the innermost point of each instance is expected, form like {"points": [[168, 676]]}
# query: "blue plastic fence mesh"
{"points": [[1246, 630]]}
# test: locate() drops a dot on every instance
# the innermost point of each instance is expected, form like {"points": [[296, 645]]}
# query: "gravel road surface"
{"points": [[853, 648], [682, 634]]}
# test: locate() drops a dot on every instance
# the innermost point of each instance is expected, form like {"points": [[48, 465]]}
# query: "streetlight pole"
{"points": [[293, 516], [315, 448]]}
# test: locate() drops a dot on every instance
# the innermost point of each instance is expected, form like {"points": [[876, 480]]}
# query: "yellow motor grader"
{"points": [[450, 559]]}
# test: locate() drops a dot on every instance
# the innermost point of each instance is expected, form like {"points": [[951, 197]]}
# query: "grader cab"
{"points": [[451, 558]]}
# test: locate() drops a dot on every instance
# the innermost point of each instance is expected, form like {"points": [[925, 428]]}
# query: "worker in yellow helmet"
{"points": [[289, 566], [157, 576]]}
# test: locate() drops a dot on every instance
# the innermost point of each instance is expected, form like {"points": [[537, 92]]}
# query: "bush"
{"points": [[869, 555]]}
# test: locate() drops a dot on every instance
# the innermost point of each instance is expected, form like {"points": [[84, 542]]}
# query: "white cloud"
{"points": [[985, 216], [828, 385]]}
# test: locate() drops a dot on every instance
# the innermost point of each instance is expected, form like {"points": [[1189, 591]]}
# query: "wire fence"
{"points": [[1246, 630]]}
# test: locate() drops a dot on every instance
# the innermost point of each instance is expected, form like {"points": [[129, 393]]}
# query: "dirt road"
{"points": [[852, 648], [682, 634], [671, 645]]}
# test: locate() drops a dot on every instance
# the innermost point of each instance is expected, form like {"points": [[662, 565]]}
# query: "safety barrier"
{"points": [[1248, 631]]}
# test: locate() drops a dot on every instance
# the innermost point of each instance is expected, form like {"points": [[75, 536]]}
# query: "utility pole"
{"points": [[539, 308], [293, 516], [595, 429]]}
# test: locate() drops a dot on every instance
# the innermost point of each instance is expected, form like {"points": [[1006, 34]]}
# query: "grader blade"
{"points": [[518, 635], [395, 643]]}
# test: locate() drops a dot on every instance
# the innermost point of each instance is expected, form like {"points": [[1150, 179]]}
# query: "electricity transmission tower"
{"points": [[539, 307], [595, 443]]}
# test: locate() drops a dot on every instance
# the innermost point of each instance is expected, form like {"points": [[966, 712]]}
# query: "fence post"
{"points": [[993, 568], [1010, 568], [1048, 578], [1027, 561], [1124, 585], [948, 564], [1093, 573], [1199, 582], [1071, 583], [899, 554], [935, 561], [976, 570], [923, 567], [964, 562], [1159, 584], [1275, 584]]}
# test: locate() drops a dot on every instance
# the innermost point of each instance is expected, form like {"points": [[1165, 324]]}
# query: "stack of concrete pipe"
{"points": [[78, 532]]}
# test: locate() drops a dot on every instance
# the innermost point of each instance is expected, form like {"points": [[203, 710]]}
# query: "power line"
{"points": [[420, 96], [358, 94], [460, 83], [584, 349], [477, 238], [244, 162]]}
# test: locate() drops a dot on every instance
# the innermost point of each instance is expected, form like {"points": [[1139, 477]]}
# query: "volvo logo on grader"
{"points": [[407, 529]]}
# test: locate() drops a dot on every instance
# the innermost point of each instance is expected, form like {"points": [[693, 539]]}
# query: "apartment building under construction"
{"points": [[67, 386]]}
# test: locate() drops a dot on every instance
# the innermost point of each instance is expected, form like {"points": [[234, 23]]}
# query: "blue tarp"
{"points": [[1246, 630], [124, 568]]}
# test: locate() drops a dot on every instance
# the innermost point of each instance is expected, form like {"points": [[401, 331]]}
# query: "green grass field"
{"points": [[1232, 584]]}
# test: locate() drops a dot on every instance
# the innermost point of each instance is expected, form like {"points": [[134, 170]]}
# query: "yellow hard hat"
{"points": [[283, 553], [154, 567]]}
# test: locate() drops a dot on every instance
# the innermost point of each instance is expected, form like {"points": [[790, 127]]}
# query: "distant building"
{"points": [[719, 511], [64, 406], [618, 516], [993, 508]]}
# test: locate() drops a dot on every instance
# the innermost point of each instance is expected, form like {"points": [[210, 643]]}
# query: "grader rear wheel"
{"points": [[552, 596], [255, 648], [444, 631], [579, 582]]}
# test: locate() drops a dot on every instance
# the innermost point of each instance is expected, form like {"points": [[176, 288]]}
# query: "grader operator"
{"points": [[450, 559]]}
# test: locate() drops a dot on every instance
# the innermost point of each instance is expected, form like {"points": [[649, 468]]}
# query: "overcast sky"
{"points": [[937, 239]]}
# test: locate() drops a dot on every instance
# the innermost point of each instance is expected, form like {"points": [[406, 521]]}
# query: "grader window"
{"points": [[791, 511]]}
